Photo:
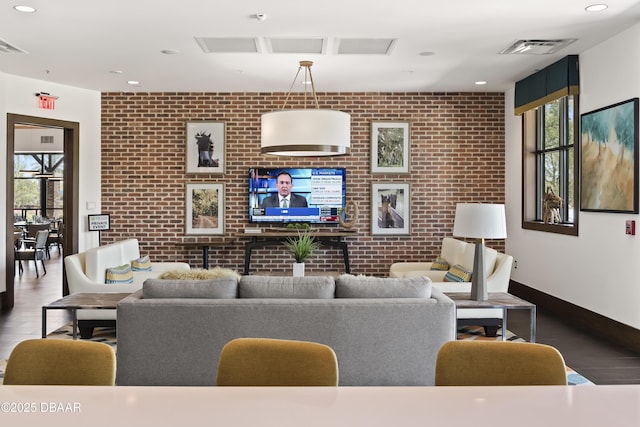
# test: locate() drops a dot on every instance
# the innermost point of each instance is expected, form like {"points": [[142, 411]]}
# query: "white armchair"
{"points": [[497, 266]]}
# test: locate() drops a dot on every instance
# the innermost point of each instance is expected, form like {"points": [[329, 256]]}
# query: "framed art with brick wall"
{"points": [[204, 213], [390, 147], [390, 207], [205, 147]]}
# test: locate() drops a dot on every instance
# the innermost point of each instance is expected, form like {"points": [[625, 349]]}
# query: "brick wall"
{"points": [[457, 155]]}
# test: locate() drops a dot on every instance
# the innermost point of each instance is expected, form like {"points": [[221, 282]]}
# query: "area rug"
{"points": [[108, 336]]}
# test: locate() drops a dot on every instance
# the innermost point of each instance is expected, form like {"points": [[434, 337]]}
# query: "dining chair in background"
{"points": [[34, 253]]}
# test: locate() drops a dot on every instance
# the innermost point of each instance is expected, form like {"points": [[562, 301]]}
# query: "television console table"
{"points": [[205, 245], [270, 238]]}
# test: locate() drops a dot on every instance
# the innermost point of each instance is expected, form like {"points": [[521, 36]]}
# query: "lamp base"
{"points": [[478, 279]]}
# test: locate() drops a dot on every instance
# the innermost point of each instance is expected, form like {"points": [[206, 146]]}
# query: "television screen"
{"points": [[313, 195]]}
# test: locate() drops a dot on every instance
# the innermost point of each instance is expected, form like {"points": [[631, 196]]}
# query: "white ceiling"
{"points": [[82, 43]]}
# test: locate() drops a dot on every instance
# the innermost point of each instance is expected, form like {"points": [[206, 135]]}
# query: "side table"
{"points": [[81, 301], [501, 300]]}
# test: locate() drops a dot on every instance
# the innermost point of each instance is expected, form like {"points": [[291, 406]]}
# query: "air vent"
{"points": [[536, 47], [46, 139], [227, 45], [295, 45], [365, 46], [6, 47]]}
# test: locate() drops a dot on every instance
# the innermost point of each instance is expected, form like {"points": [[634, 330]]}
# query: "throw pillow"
{"points": [[457, 273], [141, 264], [304, 287], [348, 286], [440, 264], [199, 274], [119, 274], [220, 288]]}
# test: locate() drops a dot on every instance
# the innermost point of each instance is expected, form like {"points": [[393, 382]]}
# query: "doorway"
{"points": [[70, 135]]}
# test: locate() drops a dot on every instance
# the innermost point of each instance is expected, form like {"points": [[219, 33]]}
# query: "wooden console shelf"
{"points": [[269, 238]]}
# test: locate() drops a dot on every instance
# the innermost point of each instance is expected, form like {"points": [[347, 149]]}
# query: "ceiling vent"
{"points": [[536, 47], [365, 46], [295, 45], [5, 47], [228, 44]]}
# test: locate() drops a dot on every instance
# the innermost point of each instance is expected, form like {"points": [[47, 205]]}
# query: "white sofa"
{"points": [[86, 272], [497, 266]]}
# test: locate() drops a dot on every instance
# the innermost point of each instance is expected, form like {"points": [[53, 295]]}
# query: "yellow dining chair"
{"points": [[490, 363], [274, 362], [61, 362]]}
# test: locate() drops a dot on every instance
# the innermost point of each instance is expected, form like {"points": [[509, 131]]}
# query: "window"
{"points": [[549, 167], [38, 185]]}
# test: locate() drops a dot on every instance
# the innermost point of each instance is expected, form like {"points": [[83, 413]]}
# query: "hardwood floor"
{"points": [[24, 321], [597, 359]]}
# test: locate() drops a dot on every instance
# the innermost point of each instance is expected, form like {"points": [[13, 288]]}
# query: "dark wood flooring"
{"points": [[24, 321], [597, 359]]}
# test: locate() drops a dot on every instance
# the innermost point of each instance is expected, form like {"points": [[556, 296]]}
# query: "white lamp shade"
{"points": [[480, 221], [308, 132]]}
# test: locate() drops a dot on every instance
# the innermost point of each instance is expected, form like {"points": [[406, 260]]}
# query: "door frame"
{"points": [[70, 196]]}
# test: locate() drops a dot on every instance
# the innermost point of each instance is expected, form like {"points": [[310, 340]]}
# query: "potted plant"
{"points": [[301, 247]]}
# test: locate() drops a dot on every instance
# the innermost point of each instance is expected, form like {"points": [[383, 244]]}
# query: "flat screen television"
{"points": [[323, 190]]}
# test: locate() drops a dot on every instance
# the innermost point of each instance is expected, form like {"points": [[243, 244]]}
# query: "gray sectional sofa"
{"points": [[384, 331]]}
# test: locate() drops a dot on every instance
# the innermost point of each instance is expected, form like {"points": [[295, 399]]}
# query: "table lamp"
{"points": [[479, 221]]}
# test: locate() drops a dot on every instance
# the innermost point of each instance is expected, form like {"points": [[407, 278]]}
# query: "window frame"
{"points": [[532, 179]]}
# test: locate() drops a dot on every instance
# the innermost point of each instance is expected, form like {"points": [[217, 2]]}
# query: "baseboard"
{"points": [[599, 325]]}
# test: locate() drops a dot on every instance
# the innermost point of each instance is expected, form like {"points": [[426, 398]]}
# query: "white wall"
{"points": [[17, 96], [600, 269]]}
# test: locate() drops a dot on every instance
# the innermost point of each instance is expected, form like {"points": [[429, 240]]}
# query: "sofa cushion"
{"points": [[307, 287], [220, 288], [458, 273], [199, 274], [119, 274], [348, 286], [440, 264], [141, 264]]}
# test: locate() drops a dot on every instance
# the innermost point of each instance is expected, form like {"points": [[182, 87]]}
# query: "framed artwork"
{"points": [[204, 209], [205, 147], [390, 147], [609, 158], [390, 207]]}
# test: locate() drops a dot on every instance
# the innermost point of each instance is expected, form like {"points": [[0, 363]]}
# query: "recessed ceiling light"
{"points": [[25, 9], [596, 7], [481, 82], [169, 51], [427, 53], [133, 82], [116, 71]]}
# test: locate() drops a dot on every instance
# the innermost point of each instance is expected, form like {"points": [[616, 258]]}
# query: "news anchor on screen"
{"points": [[284, 198]]}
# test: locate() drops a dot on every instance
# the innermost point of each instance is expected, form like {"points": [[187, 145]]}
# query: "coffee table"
{"points": [[81, 301], [502, 300]]}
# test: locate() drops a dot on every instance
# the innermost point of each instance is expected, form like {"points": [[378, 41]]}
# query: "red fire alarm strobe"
{"points": [[46, 101]]}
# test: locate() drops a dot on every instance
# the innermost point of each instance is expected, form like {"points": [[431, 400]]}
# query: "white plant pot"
{"points": [[298, 269]]}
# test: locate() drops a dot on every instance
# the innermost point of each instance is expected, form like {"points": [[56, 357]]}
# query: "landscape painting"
{"points": [[609, 158], [204, 209]]}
